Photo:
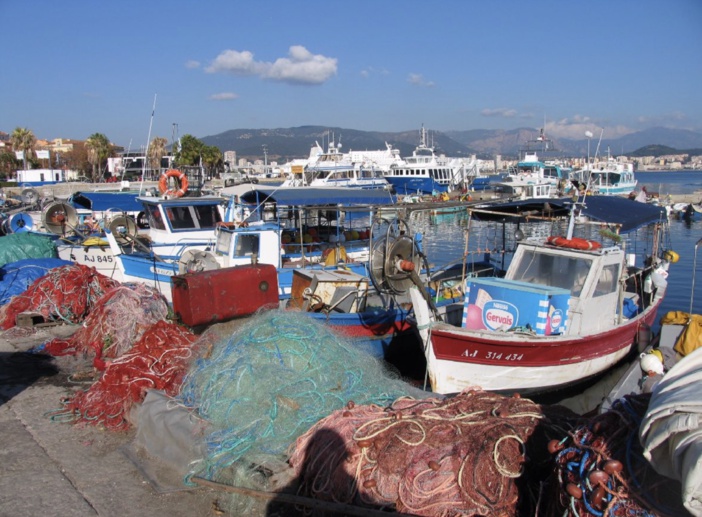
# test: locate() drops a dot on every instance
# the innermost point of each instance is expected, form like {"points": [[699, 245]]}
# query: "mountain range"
{"points": [[283, 144]]}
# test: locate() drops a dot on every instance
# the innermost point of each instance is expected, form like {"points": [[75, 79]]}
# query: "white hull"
{"points": [[99, 257], [453, 377]]}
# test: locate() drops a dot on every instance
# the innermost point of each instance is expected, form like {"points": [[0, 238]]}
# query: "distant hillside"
{"points": [[284, 144], [663, 150]]}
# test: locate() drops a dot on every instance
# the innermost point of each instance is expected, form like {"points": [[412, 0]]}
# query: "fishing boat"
{"points": [[607, 177], [424, 172], [567, 309], [532, 176], [332, 168], [285, 227], [321, 255], [164, 228], [517, 186]]}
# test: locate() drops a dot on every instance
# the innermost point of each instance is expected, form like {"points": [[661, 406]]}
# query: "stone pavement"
{"points": [[50, 468]]}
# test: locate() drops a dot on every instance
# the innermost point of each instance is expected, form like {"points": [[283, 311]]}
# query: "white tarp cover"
{"points": [[671, 431], [172, 436]]}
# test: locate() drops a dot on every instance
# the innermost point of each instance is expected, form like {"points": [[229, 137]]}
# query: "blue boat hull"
{"points": [[408, 185]]}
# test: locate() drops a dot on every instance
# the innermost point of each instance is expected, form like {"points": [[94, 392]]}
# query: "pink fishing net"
{"points": [[454, 456]]}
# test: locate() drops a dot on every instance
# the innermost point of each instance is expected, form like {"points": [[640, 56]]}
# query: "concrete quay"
{"points": [[60, 469]]}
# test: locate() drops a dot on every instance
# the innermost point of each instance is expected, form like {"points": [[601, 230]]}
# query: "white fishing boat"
{"points": [[607, 177], [567, 309], [287, 228], [332, 168], [425, 172], [525, 187], [532, 176]]}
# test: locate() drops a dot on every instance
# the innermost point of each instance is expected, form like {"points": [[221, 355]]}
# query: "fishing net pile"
{"points": [[158, 360], [267, 383], [601, 470], [65, 293], [116, 321], [462, 455]]}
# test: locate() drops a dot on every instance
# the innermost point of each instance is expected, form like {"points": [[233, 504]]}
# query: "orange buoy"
{"points": [[574, 243], [181, 179]]}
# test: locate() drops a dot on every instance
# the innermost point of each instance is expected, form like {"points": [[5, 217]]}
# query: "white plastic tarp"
{"points": [[671, 432]]}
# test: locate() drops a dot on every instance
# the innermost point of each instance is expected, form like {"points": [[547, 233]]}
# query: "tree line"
{"points": [[89, 158]]}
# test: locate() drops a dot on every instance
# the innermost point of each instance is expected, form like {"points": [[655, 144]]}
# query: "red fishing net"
{"points": [[456, 456], [157, 361], [116, 321], [65, 293]]}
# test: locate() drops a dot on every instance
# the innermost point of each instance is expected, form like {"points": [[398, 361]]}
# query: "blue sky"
{"points": [[73, 68]]}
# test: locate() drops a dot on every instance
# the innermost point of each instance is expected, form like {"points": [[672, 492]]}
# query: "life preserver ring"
{"points": [[574, 243], [180, 177]]}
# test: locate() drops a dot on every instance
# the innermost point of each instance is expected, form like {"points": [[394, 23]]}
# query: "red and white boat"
{"points": [[566, 310]]}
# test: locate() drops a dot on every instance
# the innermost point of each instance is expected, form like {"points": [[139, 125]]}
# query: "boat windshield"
{"points": [[553, 270], [198, 217]]}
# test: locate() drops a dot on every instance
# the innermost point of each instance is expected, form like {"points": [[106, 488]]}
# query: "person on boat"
{"points": [[642, 197], [651, 364]]}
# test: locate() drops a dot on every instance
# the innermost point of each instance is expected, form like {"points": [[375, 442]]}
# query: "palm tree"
{"points": [[157, 148], [99, 149], [23, 139]]}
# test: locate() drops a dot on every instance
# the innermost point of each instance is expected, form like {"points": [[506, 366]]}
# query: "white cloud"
{"points": [[499, 112], [237, 63], [575, 127], [224, 96], [368, 71], [191, 63], [300, 67], [418, 80]]}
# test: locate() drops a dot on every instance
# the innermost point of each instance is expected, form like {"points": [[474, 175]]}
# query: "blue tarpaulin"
{"points": [[103, 201], [16, 277], [627, 213], [318, 196]]}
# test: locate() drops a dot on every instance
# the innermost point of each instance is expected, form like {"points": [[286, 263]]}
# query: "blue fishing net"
{"points": [[269, 382]]}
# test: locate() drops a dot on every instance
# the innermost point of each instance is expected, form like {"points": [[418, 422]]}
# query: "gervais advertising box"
{"points": [[498, 305]]}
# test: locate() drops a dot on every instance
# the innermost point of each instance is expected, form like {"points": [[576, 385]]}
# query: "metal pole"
{"points": [[694, 267]]}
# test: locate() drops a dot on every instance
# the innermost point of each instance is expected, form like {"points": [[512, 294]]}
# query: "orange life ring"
{"points": [[180, 177], [574, 243]]}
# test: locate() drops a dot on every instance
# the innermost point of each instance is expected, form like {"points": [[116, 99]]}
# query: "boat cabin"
{"points": [[591, 278]]}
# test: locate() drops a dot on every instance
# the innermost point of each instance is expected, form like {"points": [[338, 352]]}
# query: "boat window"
{"points": [[246, 245], [207, 215], [553, 270], [155, 219], [180, 217], [607, 283]]}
